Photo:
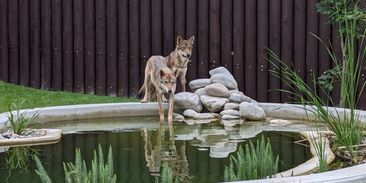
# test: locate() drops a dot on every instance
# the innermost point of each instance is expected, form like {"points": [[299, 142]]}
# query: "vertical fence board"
{"points": [[24, 40], [287, 42], [34, 22], [67, 46], [46, 44], [311, 42], [191, 30], [89, 46], [13, 26], [202, 40], [238, 42], [262, 44], [123, 74], [145, 40], [214, 33], [168, 27], [361, 48], [250, 48], [324, 57], [156, 27], [78, 46], [275, 46], [56, 44], [112, 47], [134, 47], [4, 64], [180, 18], [336, 43], [300, 37], [100, 48], [226, 34]]}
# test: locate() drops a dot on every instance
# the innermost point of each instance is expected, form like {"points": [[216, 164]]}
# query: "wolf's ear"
{"points": [[179, 39], [191, 39], [162, 73]]}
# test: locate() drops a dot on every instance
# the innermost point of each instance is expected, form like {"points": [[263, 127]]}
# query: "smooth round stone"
{"points": [[227, 81], [231, 105], [251, 111], [187, 100], [221, 70], [178, 117], [229, 117], [231, 122], [217, 90], [231, 112], [200, 91], [213, 104], [189, 113], [237, 96], [199, 83]]}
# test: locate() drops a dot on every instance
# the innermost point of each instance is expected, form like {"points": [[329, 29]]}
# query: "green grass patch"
{"points": [[10, 93]]}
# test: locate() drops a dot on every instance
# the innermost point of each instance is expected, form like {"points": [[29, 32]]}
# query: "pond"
{"points": [[197, 153]]}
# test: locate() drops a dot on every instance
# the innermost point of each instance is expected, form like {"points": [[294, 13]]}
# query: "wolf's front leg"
{"points": [[183, 80], [161, 110], [171, 106]]}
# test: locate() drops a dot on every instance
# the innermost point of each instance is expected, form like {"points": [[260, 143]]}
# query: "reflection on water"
{"points": [[195, 153]]}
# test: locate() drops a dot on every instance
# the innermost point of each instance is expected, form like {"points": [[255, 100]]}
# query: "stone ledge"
{"points": [[52, 136]]}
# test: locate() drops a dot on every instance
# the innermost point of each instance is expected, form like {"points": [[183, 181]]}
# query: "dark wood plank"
{"points": [[180, 18], [123, 74], [215, 53], [89, 46], [46, 45], [227, 34], [57, 45], [67, 46], [202, 38], [134, 53], [112, 47], [13, 25], [78, 53], [311, 43], [361, 47], [275, 46], [262, 45], [157, 27], [34, 22], [336, 43], [287, 43], [145, 39], [250, 48], [24, 61], [4, 64], [191, 30], [325, 62], [238, 42], [100, 48], [168, 27]]}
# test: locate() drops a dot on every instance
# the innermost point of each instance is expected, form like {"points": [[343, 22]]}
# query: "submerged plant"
{"points": [[19, 158], [19, 123], [77, 172], [255, 162], [166, 175]]}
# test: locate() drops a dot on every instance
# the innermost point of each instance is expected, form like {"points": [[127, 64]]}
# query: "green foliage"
{"points": [[318, 143], [19, 158], [77, 172], [166, 175], [327, 79], [255, 162], [18, 122], [41, 171]]}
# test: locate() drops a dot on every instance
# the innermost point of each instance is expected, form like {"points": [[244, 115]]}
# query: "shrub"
{"points": [[18, 122]]}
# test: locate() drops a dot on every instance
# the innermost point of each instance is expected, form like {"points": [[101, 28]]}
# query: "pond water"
{"points": [[197, 153]]}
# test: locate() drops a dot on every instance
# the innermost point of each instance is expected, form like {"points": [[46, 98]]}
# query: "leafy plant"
{"points": [[18, 122], [255, 162], [319, 143], [19, 158], [166, 175], [77, 172]]}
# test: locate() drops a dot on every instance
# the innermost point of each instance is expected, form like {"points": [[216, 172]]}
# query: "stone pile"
{"points": [[218, 94]]}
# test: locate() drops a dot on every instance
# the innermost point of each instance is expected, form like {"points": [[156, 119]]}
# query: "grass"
{"points": [[11, 93], [18, 122]]}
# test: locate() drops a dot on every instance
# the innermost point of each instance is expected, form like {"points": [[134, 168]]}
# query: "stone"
{"points": [[221, 70], [213, 104], [230, 112], [178, 117], [217, 90], [229, 117], [251, 111], [200, 92], [227, 81], [238, 97], [198, 121], [187, 100], [189, 113], [231, 122], [199, 83], [231, 105]]}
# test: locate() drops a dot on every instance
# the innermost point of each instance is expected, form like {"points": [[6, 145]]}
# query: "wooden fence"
{"points": [[101, 46]]}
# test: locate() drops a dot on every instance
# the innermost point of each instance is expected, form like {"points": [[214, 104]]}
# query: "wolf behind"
{"points": [[159, 80]]}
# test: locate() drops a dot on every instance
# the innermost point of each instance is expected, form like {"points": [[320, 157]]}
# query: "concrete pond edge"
{"points": [[275, 110]]}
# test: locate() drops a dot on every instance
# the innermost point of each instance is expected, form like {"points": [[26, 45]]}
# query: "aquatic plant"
{"points": [[77, 172], [166, 175], [319, 143], [18, 122], [19, 158], [255, 162]]}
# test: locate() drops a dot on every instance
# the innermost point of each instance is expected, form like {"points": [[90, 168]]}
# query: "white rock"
{"points": [[227, 81], [178, 117], [199, 83], [231, 122], [189, 113], [237, 96], [228, 117], [251, 111], [221, 70], [231, 105], [231, 112], [217, 90], [200, 91], [213, 104], [187, 100]]}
